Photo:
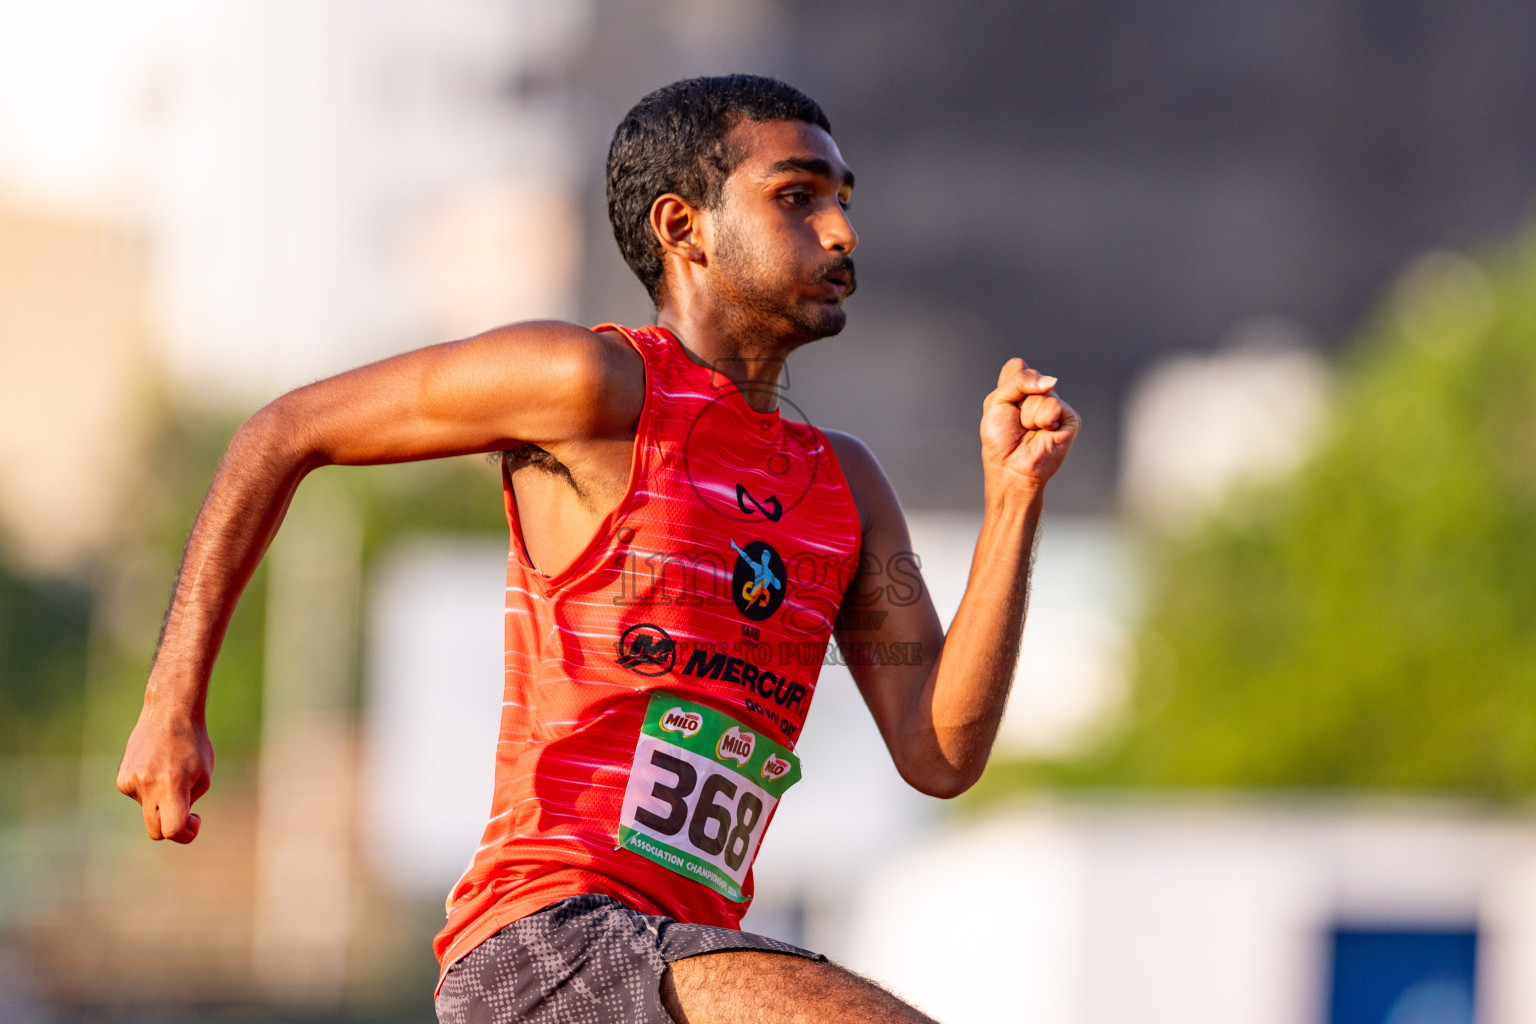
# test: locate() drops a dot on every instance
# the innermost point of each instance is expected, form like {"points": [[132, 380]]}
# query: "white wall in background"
{"points": [[1073, 659], [432, 708], [982, 924], [1168, 912], [1198, 425]]}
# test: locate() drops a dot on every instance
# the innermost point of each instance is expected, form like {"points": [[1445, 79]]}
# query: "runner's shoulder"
{"points": [[566, 349], [872, 492], [849, 449], [596, 373]]}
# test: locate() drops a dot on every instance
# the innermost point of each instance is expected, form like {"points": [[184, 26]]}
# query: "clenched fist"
{"points": [[168, 765], [1026, 430]]}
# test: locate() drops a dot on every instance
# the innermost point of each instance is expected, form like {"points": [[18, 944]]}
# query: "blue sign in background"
{"points": [[1403, 977]]}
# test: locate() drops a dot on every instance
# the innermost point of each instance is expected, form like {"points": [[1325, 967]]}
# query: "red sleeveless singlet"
{"points": [[656, 687]]}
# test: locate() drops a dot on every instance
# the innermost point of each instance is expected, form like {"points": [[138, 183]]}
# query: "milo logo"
{"points": [[686, 722], [775, 767], [736, 745]]}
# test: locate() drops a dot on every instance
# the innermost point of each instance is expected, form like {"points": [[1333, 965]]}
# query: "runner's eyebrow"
{"points": [[811, 165]]}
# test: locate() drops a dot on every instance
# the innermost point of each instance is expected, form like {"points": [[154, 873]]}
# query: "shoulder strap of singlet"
{"points": [[665, 358]]}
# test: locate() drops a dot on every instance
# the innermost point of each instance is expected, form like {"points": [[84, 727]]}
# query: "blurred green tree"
{"points": [[43, 628], [1370, 621]]}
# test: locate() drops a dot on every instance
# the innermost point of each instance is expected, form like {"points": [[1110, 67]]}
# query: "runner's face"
{"points": [[782, 238]]}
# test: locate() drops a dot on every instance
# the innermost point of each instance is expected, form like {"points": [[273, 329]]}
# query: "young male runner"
{"points": [[680, 556]]}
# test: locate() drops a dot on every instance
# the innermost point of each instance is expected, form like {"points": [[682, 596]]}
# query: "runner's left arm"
{"points": [[938, 698]]}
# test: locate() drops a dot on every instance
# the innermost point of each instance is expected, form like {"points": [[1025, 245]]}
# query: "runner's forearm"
{"points": [[967, 690], [245, 504]]}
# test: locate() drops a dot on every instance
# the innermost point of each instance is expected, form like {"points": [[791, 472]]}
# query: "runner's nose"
{"points": [[837, 234]]}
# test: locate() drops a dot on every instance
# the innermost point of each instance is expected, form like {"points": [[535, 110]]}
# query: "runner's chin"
{"points": [[821, 319]]}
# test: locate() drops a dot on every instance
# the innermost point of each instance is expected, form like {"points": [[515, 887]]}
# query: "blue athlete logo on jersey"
{"points": [[757, 585]]}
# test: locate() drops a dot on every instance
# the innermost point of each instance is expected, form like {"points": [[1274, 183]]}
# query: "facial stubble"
{"points": [[762, 300]]}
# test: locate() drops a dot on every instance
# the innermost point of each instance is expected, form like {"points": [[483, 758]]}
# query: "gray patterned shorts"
{"points": [[584, 960]]}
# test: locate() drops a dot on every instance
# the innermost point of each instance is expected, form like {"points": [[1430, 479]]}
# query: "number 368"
{"points": [[711, 829]]}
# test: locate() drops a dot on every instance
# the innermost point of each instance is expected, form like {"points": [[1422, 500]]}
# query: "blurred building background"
{"points": [[1273, 738]]}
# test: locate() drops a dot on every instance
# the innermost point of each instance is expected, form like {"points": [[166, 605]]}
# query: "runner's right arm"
{"points": [[540, 383]]}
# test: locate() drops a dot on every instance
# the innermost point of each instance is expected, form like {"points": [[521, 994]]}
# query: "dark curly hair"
{"points": [[674, 141]]}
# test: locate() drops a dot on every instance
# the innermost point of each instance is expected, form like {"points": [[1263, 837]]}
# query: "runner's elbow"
{"points": [[278, 435], [940, 780]]}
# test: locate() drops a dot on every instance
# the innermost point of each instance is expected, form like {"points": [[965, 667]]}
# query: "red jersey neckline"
{"points": [[730, 388]]}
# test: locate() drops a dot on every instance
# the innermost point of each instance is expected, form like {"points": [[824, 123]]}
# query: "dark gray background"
{"points": [[1095, 184]]}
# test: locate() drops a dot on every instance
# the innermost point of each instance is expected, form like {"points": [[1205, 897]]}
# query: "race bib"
{"points": [[701, 792]]}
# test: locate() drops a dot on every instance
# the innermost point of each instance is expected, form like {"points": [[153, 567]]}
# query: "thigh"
{"points": [[753, 987]]}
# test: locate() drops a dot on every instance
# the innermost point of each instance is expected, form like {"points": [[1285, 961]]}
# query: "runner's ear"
{"points": [[675, 222]]}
